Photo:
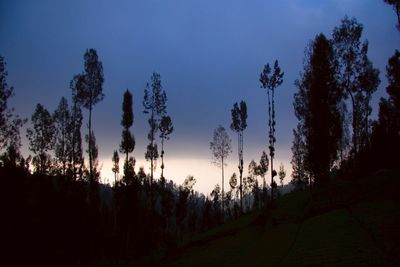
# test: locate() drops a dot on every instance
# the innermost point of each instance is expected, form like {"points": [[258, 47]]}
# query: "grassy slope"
{"points": [[355, 223]]}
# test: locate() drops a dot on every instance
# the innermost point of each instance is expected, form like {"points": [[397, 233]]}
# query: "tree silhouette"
{"points": [[317, 108], [281, 174], [239, 124], [128, 140], [41, 138], [386, 132], [233, 183], [154, 103], [299, 160], [216, 196], [115, 168], [89, 91], [94, 174], [262, 168], [220, 148], [75, 136], [358, 79], [10, 124], [393, 87], [253, 168], [269, 81], [62, 118], [396, 7], [166, 128], [181, 206]]}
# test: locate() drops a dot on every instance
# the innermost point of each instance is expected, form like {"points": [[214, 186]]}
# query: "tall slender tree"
{"points": [[358, 79], [281, 173], [221, 148], [89, 91], [387, 133], [317, 108], [262, 169], [166, 128], [270, 81], [128, 140], [62, 118], [75, 136], [10, 124], [154, 103], [393, 87], [94, 174], [300, 176], [115, 168], [239, 124], [41, 137]]}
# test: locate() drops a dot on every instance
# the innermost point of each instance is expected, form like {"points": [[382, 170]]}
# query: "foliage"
{"points": [[220, 146], [239, 124], [396, 7], [115, 167], [62, 121], [128, 140], [270, 81], [88, 91], [41, 138], [357, 78], [10, 124], [220, 149], [281, 174], [317, 108], [300, 173], [75, 156], [93, 174], [154, 103], [166, 128]]}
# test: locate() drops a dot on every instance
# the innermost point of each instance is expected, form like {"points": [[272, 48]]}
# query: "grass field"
{"points": [[354, 223]]}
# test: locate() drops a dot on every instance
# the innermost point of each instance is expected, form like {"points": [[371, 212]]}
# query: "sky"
{"points": [[209, 55]]}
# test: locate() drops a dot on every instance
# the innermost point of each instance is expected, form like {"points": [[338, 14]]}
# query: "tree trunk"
{"points": [[90, 144], [222, 195], [127, 153], [162, 157], [240, 172], [272, 178], [355, 130]]}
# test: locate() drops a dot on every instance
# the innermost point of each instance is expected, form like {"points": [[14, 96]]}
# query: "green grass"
{"points": [[353, 224], [225, 229], [333, 239]]}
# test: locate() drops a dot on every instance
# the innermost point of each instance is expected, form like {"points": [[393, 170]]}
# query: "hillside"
{"points": [[352, 223]]}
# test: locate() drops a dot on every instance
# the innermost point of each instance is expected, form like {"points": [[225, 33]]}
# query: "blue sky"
{"points": [[209, 55]]}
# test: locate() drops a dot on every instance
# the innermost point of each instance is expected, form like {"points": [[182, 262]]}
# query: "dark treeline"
{"points": [[335, 136], [54, 207]]}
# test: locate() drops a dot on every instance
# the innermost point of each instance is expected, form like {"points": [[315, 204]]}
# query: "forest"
{"points": [[56, 210]]}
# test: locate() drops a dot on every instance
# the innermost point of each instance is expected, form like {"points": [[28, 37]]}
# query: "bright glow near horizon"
{"points": [[207, 175]]}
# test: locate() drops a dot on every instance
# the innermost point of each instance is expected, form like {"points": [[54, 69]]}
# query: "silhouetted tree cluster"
{"points": [[10, 123], [317, 108], [385, 137], [337, 74]]}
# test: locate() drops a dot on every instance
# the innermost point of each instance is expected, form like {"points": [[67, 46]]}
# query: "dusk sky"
{"points": [[209, 54]]}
